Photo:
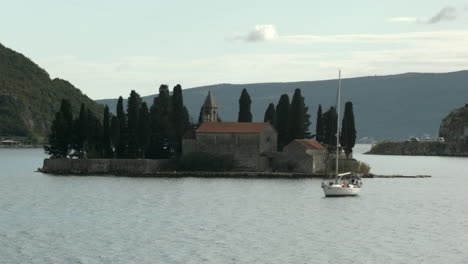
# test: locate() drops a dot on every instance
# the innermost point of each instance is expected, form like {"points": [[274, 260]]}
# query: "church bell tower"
{"points": [[209, 110]]}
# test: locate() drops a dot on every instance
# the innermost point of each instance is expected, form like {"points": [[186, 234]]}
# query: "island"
{"points": [[453, 129]]}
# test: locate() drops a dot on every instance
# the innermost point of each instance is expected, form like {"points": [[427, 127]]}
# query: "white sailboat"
{"points": [[344, 184]]}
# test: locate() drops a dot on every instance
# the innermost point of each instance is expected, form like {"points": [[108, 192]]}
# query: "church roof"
{"points": [[209, 101], [232, 127], [310, 144]]}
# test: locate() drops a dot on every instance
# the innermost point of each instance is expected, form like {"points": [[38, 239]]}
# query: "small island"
{"points": [[161, 140], [453, 129]]}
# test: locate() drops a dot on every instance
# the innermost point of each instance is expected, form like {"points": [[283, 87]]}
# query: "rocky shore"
{"points": [[458, 149]]}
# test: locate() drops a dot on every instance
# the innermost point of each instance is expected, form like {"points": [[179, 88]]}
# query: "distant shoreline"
{"points": [[21, 147], [444, 149]]}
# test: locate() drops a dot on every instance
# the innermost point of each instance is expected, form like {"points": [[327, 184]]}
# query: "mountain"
{"points": [[29, 99], [392, 107]]}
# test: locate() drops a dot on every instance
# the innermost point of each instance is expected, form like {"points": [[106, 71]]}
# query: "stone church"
{"points": [[254, 145], [250, 143]]}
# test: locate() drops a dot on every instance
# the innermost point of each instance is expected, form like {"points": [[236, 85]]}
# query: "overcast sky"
{"points": [[107, 48]]}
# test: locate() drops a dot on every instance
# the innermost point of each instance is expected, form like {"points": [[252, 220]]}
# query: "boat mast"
{"points": [[338, 120]]}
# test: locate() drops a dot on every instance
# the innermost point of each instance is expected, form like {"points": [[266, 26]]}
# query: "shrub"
{"points": [[363, 168]]}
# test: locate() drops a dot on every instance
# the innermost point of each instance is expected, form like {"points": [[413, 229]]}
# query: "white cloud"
{"points": [[261, 33], [404, 19]]}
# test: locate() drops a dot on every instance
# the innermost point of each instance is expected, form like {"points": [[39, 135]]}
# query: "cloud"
{"points": [[260, 33], [433, 51], [446, 14], [404, 19]]}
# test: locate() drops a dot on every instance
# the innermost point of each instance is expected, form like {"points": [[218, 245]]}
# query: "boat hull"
{"points": [[338, 191]]}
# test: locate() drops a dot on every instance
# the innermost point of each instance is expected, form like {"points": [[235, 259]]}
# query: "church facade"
{"points": [[250, 143]]}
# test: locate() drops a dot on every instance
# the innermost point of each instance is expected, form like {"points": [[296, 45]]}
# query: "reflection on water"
{"points": [[54, 219]]}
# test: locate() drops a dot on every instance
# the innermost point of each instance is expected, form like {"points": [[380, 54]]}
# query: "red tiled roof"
{"points": [[309, 143], [232, 127]]}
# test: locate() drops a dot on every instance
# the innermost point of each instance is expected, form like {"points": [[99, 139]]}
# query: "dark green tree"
{"points": [[283, 123], [270, 115], [307, 123], [348, 130], [161, 126], [81, 132], [121, 147], [95, 142], [244, 107], [114, 132], [319, 126], [200, 117], [180, 117], [57, 146], [297, 116], [106, 134], [330, 127], [133, 111], [143, 130], [61, 135]]}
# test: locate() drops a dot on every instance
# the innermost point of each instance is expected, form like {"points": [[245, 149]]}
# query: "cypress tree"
{"points": [[330, 127], [200, 117], [61, 136], [282, 121], [161, 127], [348, 130], [57, 147], [180, 117], [143, 130], [81, 132], [307, 123], [121, 148], [297, 115], [94, 136], [270, 114], [114, 133], [106, 134], [244, 107], [133, 110], [319, 125]]}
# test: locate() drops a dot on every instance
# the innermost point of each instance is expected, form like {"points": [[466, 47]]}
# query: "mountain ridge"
{"points": [[392, 107]]}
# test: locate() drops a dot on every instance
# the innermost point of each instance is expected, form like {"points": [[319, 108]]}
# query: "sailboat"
{"points": [[344, 184]]}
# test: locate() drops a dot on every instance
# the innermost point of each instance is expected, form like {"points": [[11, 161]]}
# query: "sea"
{"points": [[95, 219]]}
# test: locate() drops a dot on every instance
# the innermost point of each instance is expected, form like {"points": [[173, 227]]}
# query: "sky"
{"points": [[108, 48]]}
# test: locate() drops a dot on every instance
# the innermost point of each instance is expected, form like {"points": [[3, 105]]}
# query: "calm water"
{"points": [[54, 219]]}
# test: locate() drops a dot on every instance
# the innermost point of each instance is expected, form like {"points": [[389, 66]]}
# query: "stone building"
{"points": [[250, 143], [308, 155]]}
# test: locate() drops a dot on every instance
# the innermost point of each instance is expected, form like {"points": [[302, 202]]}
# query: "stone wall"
{"points": [[104, 166], [244, 147]]}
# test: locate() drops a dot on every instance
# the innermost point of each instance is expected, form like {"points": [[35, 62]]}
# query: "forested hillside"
{"points": [[29, 99]]}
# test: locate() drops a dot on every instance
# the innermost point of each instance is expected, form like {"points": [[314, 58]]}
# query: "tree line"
{"points": [[156, 132], [291, 120], [137, 132]]}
